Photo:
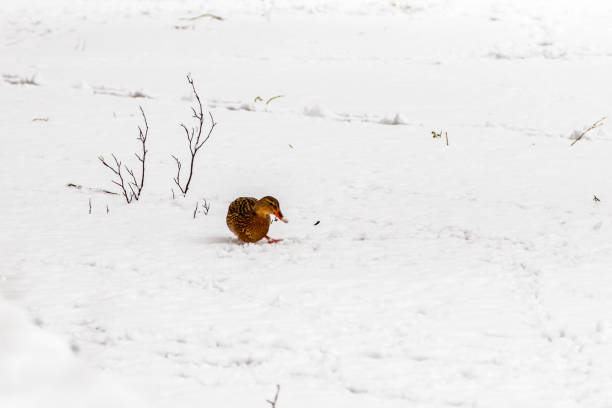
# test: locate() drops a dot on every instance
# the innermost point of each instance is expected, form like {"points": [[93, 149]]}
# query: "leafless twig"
{"points": [[273, 402], [593, 126], [142, 137], [117, 170], [97, 190], [194, 137], [205, 206], [134, 186]]}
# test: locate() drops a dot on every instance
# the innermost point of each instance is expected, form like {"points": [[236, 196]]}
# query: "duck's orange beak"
{"points": [[279, 215]]}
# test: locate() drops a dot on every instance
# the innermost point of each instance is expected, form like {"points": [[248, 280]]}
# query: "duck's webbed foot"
{"points": [[272, 240]]}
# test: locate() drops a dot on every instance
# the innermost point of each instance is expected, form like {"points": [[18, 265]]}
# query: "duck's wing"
{"points": [[242, 205], [239, 215]]}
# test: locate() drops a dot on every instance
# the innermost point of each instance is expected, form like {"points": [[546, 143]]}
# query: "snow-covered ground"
{"points": [[38, 369], [476, 274]]}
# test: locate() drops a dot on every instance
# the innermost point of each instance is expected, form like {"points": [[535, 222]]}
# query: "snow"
{"points": [[473, 274], [318, 111], [40, 369], [397, 119]]}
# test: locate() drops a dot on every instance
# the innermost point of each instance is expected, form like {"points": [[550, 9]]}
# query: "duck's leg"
{"points": [[272, 240]]}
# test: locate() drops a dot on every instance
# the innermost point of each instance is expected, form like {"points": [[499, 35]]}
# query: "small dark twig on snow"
{"points": [[273, 402], [205, 206], [204, 210]]}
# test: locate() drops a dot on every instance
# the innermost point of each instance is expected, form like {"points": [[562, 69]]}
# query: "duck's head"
{"points": [[269, 205]]}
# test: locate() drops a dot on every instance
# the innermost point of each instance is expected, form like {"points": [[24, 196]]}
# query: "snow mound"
{"points": [[39, 369], [398, 119], [318, 111], [83, 85], [245, 106]]}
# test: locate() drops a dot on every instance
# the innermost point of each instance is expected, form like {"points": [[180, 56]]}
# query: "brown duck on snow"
{"points": [[249, 218]]}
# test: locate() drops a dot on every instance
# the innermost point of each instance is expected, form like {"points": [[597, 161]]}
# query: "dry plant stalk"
{"points": [[204, 210], [205, 206], [439, 135], [194, 137], [275, 400], [213, 16], [593, 126], [134, 186]]}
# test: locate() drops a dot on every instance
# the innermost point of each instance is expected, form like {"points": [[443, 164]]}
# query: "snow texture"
{"points": [[412, 273], [39, 369]]}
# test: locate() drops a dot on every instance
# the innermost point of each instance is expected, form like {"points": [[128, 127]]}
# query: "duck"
{"points": [[249, 218]]}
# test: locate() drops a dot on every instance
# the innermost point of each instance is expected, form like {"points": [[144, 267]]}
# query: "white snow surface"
{"points": [[470, 275], [39, 369]]}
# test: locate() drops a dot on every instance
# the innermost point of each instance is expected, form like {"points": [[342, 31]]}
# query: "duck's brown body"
{"points": [[244, 222]]}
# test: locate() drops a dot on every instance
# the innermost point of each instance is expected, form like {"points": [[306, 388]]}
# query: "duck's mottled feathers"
{"points": [[243, 221]]}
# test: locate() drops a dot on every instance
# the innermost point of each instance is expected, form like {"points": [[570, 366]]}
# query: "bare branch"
{"points": [[212, 126], [203, 209], [143, 140], [194, 138], [131, 173], [133, 195], [117, 171], [177, 179], [275, 400], [135, 186], [205, 206]]}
